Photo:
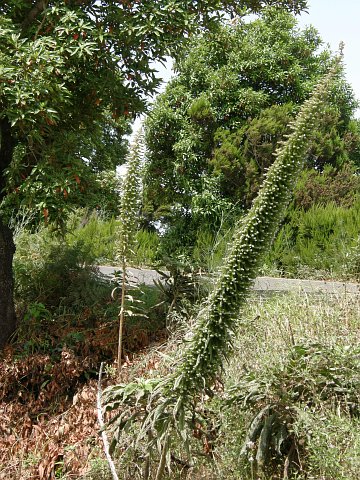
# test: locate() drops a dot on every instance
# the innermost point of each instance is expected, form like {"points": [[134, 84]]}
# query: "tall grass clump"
{"points": [[166, 407]]}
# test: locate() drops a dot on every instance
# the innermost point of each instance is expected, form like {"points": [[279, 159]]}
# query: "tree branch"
{"points": [[41, 5], [38, 8]]}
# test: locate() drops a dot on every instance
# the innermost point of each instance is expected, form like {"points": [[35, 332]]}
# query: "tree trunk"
{"points": [[7, 246], [7, 309]]}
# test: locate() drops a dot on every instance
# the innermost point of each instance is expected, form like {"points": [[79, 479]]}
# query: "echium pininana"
{"points": [[129, 218], [217, 321], [130, 201], [203, 354]]}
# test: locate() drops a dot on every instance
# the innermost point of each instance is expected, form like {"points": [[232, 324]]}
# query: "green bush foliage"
{"points": [[63, 300], [52, 272], [146, 252], [320, 242], [95, 232]]}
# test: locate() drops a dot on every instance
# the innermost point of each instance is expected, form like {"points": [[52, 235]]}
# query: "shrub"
{"points": [[50, 271], [318, 242], [340, 187], [95, 233], [147, 248]]}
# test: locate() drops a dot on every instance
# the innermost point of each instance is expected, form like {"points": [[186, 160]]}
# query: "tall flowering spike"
{"points": [[130, 201], [216, 323], [129, 214], [204, 353]]}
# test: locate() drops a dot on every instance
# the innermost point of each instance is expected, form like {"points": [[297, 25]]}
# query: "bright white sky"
{"points": [[339, 21]]}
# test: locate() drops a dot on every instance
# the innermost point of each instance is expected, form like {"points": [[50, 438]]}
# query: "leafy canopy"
{"points": [[73, 73], [212, 133]]}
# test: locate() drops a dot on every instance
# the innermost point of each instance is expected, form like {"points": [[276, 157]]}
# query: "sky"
{"points": [[338, 21]]}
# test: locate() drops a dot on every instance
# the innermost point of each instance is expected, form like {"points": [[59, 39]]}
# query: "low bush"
{"points": [[95, 232], [320, 242], [338, 186], [98, 235], [51, 271]]}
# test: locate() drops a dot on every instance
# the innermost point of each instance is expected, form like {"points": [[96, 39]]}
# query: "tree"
{"points": [[69, 70], [219, 119]]}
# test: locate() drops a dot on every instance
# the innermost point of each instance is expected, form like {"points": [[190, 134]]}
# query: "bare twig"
{"points": [[38, 8], [102, 425], [42, 21]]}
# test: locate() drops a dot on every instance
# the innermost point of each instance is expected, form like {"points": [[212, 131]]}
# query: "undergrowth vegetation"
{"points": [[287, 405], [67, 327], [320, 242], [297, 381], [57, 284]]}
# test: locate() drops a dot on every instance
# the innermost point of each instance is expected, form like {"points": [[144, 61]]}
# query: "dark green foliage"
{"points": [[73, 75], [95, 232], [319, 242], [219, 78], [215, 127], [146, 248], [241, 159]]}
